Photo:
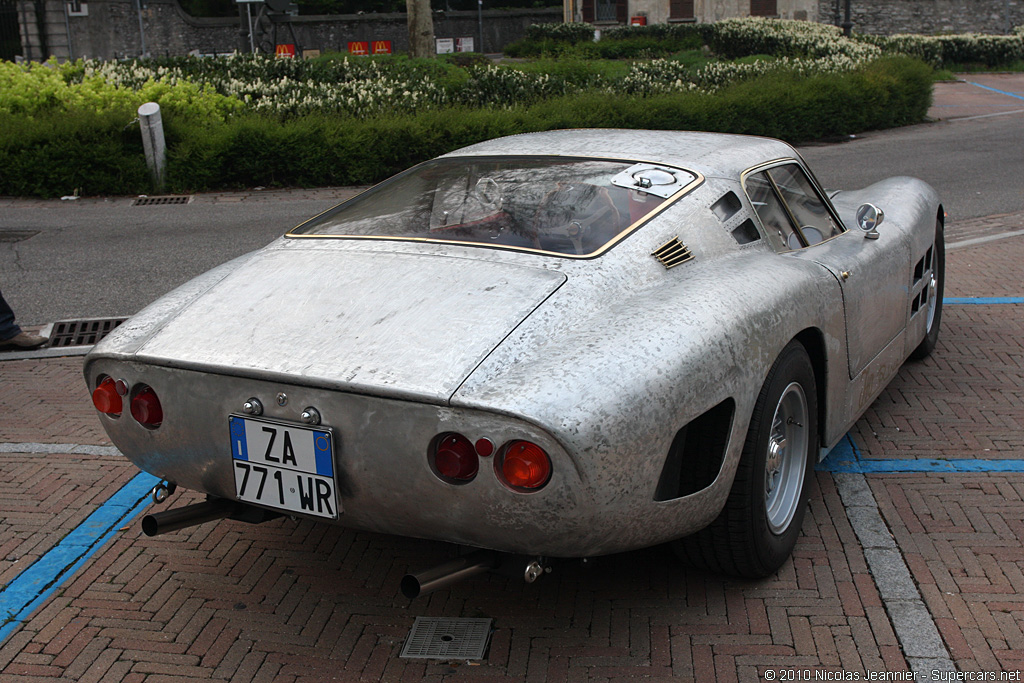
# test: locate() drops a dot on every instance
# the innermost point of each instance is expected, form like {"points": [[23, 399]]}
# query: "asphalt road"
{"points": [[108, 258]]}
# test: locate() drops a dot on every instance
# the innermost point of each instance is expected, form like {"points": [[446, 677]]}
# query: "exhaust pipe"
{"points": [[190, 515], [444, 575]]}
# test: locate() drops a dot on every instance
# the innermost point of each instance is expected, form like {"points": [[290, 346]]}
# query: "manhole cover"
{"points": [[81, 332], [445, 638], [163, 201], [17, 235]]}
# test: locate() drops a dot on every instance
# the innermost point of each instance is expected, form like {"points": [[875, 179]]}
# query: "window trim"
{"points": [[622, 235], [822, 196]]}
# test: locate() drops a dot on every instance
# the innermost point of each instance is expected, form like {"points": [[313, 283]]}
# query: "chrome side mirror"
{"points": [[869, 217]]}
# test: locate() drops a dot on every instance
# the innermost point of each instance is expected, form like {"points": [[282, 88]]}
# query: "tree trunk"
{"points": [[421, 28]]}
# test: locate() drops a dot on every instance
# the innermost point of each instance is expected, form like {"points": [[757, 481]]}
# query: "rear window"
{"points": [[563, 206]]}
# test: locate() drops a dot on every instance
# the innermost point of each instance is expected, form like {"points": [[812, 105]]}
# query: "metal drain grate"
{"points": [[163, 201], [445, 638], [81, 332], [17, 235]]}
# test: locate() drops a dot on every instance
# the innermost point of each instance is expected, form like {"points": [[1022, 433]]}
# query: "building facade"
{"points": [[116, 29], [119, 29], [887, 17], [601, 12]]}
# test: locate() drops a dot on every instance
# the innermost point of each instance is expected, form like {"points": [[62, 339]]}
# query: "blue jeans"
{"points": [[8, 328]]}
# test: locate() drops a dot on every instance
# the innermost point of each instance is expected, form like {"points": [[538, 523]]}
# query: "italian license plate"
{"points": [[284, 466]]}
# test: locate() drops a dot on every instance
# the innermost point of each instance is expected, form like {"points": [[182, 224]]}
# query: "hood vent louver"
{"points": [[672, 253]]}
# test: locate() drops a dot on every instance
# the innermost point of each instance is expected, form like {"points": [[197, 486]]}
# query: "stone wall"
{"points": [[927, 17], [110, 29]]}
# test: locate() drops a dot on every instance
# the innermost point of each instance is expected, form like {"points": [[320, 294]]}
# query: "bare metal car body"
{"points": [[628, 373]]}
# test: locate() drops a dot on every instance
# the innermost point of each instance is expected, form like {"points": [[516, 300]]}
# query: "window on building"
{"points": [[604, 10], [764, 8], [680, 9]]}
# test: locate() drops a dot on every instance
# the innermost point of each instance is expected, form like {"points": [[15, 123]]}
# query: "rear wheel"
{"points": [[757, 529], [935, 289]]}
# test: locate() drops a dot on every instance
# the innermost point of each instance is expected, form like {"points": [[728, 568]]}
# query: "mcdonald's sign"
{"points": [[382, 47], [285, 50], [359, 48]]}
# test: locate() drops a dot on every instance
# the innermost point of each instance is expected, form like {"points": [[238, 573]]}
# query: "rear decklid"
{"points": [[392, 324]]}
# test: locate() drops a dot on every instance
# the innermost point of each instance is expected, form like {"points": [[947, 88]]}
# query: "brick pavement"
{"points": [[967, 400], [296, 601], [978, 95]]}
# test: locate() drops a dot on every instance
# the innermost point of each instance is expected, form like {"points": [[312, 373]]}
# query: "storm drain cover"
{"points": [[81, 332], [445, 638], [163, 200]]}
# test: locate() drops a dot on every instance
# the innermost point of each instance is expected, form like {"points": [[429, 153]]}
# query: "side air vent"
{"points": [[696, 454], [672, 253]]}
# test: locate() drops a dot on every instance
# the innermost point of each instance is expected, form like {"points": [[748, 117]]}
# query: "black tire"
{"points": [[931, 337], [755, 533]]}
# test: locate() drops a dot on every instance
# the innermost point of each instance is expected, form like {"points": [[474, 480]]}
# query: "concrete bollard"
{"points": [[153, 142]]}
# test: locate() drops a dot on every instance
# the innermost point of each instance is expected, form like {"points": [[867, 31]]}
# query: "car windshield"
{"points": [[565, 206]]}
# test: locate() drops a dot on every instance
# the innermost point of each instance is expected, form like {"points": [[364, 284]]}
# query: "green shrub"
{"points": [[963, 49], [54, 154], [561, 32]]}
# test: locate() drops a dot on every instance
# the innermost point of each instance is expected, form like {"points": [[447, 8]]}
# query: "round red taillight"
{"points": [[105, 397], [455, 457], [525, 465], [146, 408], [484, 447]]}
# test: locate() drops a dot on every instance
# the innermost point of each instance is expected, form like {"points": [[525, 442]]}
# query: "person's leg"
{"points": [[8, 328]]}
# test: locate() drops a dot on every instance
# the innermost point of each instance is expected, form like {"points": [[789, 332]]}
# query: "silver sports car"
{"points": [[554, 345]]}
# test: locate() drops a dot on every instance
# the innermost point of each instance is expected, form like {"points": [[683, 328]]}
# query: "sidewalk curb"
{"points": [[915, 628]]}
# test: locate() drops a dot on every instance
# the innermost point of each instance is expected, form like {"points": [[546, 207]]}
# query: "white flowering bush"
{"points": [[497, 86], [287, 87], [656, 77], [734, 38], [966, 48]]}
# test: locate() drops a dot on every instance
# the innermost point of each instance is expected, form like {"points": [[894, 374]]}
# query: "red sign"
{"points": [[359, 48], [287, 50], [382, 47]]}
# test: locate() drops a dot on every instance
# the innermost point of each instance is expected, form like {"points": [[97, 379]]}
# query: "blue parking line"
{"points": [[37, 583], [982, 300], [845, 457], [1001, 92]]}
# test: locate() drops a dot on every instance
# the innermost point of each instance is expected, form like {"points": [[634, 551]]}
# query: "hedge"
{"points": [[55, 154]]}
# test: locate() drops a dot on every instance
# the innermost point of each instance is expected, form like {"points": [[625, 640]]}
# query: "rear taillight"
{"points": [[106, 399], [525, 465], [455, 458], [146, 408]]}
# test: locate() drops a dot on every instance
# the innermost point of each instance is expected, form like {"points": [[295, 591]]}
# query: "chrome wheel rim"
{"points": [[786, 459], [933, 303]]}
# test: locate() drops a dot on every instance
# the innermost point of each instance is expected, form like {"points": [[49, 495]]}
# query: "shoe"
{"points": [[23, 341]]}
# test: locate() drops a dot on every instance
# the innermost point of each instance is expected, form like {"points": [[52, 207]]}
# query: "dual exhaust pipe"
{"points": [[413, 585]]}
